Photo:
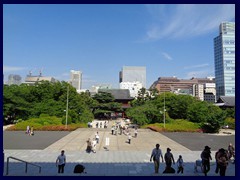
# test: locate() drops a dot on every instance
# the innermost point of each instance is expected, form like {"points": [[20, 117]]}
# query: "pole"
{"points": [[67, 107], [164, 112]]}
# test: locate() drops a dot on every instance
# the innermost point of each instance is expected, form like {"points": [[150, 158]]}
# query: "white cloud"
{"points": [[7, 69], [166, 55], [196, 66], [186, 20]]}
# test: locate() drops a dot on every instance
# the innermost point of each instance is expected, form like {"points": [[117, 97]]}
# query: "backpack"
{"points": [[79, 168]]}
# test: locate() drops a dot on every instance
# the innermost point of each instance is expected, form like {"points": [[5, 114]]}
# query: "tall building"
{"points": [[133, 74], [133, 87], [76, 79], [224, 57], [14, 79]]}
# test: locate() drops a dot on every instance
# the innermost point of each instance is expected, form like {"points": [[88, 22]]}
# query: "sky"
{"points": [[99, 39]]}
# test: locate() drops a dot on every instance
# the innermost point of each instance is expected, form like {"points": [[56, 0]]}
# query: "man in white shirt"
{"points": [[156, 153], [97, 137], [60, 162]]}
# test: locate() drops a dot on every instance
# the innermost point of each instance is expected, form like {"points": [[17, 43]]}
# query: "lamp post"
{"points": [[164, 112], [67, 107], [164, 116]]}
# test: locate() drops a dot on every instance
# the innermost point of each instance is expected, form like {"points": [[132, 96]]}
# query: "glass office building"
{"points": [[224, 55]]}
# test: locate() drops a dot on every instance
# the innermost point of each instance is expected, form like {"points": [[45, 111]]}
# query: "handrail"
{"points": [[10, 157]]}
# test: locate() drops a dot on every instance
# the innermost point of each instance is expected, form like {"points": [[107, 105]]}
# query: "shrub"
{"points": [[230, 122], [178, 125]]}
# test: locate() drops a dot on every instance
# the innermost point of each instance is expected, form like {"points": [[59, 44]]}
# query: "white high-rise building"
{"points": [[133, 74], [76, 79], [133, 87], [198, 91]]}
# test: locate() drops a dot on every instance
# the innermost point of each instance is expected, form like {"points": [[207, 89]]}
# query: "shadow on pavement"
{"points": [[106, 169]]}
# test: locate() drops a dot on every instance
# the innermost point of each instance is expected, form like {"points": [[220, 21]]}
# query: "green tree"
{"points": [[178, 105], [24, 101], [138, 115], [215, 119], [104, 105], [198, 112]]}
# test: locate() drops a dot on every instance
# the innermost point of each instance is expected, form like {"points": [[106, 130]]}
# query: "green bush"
{"points": [[38, 123], [178, 125], [230, 122], [69, 120]]}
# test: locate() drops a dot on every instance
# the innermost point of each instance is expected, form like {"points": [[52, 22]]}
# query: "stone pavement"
{"points": [[117, 159]]}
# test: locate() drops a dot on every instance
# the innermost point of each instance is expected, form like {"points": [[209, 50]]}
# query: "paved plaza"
{"points": [[119, 158]]}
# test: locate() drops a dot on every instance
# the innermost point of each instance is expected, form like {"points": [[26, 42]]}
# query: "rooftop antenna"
{"points": [[30, 73]]}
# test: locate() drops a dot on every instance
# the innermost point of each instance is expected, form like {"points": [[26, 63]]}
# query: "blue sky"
{"points": [[170, 40]]}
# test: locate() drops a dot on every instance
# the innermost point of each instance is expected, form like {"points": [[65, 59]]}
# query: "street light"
{"points": [[164, 117], [67, 107], [164, 112]]}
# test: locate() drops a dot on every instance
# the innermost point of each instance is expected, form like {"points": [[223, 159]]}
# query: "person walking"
{"points": [[206, 157], [129, 138], [156, 154], [180, 164], [28, 130], [135, 132], [231, 151], [60, 162], [94, 144], [112, 129], [168, 157], [222, 160], [31, 131], [89, 145], [97, 137], [217, 166]]}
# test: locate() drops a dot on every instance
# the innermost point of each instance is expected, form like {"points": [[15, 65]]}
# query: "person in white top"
{"points": [[94, 143], [180, 164], [60, 162], [135, 132], [97, 137], [129, 138], [156, 154]]}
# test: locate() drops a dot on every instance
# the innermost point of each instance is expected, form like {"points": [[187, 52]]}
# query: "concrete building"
{"points": [[133, 87], [224, 58], [173, 84], [76, 79], [32, 79], [194, 86], [133, 74], [198, 91], [210, 92], [14, 79]]}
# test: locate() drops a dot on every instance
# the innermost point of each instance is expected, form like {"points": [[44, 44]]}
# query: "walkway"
{"points": [[118, 159]]}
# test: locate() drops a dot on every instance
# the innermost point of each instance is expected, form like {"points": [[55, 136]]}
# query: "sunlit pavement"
{"points": [[118, 159]]}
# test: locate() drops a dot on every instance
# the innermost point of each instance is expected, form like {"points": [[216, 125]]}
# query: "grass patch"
{"points": [[178, 125], [70, 127], [46, 123]]}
